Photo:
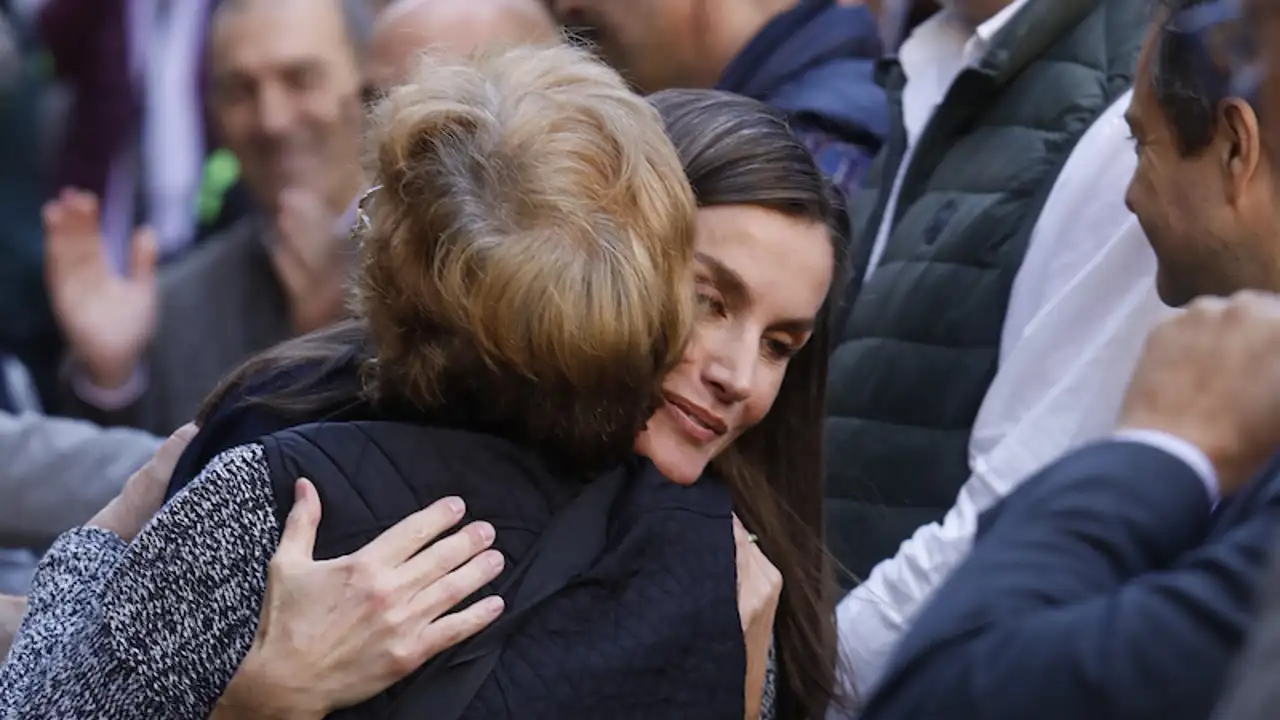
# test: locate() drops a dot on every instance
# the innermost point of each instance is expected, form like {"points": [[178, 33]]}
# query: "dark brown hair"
{"points": [[737, 151]]}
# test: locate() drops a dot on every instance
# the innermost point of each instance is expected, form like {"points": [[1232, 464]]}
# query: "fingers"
{"points": [[444, 556], [72, 231], [145, 489], [407, 537], [145, 254], [166, 458], [298, 541], [445, 632], [437, 598]]}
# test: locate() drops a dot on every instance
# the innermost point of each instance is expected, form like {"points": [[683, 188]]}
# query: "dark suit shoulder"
{"points": [[220, 259], [1102, 463]]}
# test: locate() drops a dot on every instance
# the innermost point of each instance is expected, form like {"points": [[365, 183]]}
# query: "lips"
{"points": [[700, 423]]}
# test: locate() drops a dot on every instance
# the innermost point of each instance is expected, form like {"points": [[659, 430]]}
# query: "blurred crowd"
{"points": [[1045, 401]]}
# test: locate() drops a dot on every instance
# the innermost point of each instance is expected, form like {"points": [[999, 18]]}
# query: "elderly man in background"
{"points": [[407, 27], [404, 30], [286, 99]]}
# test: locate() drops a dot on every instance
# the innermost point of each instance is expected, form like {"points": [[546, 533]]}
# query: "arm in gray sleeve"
{"points": [[153, 630], [57, 473]]}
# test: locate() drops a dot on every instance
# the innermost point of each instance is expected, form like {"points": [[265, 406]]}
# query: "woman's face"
{"points": [[761, 278]]}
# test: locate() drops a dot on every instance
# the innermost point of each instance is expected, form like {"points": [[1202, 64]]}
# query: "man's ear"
{"points": [[1241, 145]]}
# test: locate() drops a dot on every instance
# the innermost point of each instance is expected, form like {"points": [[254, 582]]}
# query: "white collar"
{"points": [[946, 28], [994, 24]]}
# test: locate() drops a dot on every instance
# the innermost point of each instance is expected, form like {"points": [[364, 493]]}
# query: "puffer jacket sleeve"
{"points": [[157, 628]]}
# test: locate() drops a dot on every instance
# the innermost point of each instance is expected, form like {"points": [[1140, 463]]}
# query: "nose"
{"points": [[275, 111], [730, 370]]}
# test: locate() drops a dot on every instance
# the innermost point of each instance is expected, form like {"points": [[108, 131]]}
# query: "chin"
{"points": [[1170, 293], [675, 463]]}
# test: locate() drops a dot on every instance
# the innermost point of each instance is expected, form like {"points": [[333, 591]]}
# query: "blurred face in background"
{"points": [[653, 43], [286, 97], [407, 28]]}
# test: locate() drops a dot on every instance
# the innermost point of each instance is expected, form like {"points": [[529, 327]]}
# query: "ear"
{"points": [[1241, 146]]}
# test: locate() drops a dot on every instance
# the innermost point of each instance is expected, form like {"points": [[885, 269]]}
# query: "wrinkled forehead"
{"points": [[254, 35]]}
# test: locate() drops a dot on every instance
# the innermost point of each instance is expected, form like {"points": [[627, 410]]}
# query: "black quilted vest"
{"points": [[916, 353], [649, 630]]}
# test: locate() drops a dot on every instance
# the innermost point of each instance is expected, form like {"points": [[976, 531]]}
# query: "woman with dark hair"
{"points": [[764, 259], [761, 199]]}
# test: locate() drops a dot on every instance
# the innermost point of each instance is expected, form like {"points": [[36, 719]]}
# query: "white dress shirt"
{"points": [[1081, 306]]}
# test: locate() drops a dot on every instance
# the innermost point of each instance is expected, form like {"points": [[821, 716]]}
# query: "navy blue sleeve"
{"points": [[1095, 592]]}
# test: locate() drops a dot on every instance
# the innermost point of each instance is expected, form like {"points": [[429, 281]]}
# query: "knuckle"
{"points": [[403, 658], [480, 534], [362, 574], [381, 596], [452, 588], [1202, 308]]}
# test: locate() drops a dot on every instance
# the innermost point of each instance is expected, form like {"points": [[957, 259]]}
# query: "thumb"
{"points": [[145, 255], [299, 537]]}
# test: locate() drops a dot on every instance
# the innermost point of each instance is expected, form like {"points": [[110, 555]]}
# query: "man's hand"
{"points": [[1211, 376], [108, 319], [143, 493], [309, 259]]}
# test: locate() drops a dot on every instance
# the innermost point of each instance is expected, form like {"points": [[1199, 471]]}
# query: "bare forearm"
{"points": [[11, 611]]}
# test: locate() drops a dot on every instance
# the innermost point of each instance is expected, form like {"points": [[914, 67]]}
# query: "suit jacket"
{"points": [[1255, 694], [57, 473], [1105, 588], [219, 305]]}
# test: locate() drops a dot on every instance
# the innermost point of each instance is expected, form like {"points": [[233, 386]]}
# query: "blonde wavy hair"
{"points": [[526, 257]]}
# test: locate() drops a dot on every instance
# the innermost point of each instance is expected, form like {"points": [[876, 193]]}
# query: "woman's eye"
{"points": [[711, 303], [781, 350]]}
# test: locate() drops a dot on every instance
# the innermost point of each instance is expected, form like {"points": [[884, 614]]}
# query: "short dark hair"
{"points": [[1189, 82]]}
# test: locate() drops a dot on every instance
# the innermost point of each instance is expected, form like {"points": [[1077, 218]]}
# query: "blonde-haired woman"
{"points": [[526, 283]]}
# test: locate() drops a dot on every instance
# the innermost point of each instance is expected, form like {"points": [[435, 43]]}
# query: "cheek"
{"points": [[768, 383]]}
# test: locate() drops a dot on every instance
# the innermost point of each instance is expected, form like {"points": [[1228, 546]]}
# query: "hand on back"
{"points": [[334, 633]]}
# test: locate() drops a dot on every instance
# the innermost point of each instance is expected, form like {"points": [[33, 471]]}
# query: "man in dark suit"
{"points": [[1118, 583]]}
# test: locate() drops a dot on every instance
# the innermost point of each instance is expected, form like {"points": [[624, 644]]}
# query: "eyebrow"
{"points": [[725, 277], [731, 283]]}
